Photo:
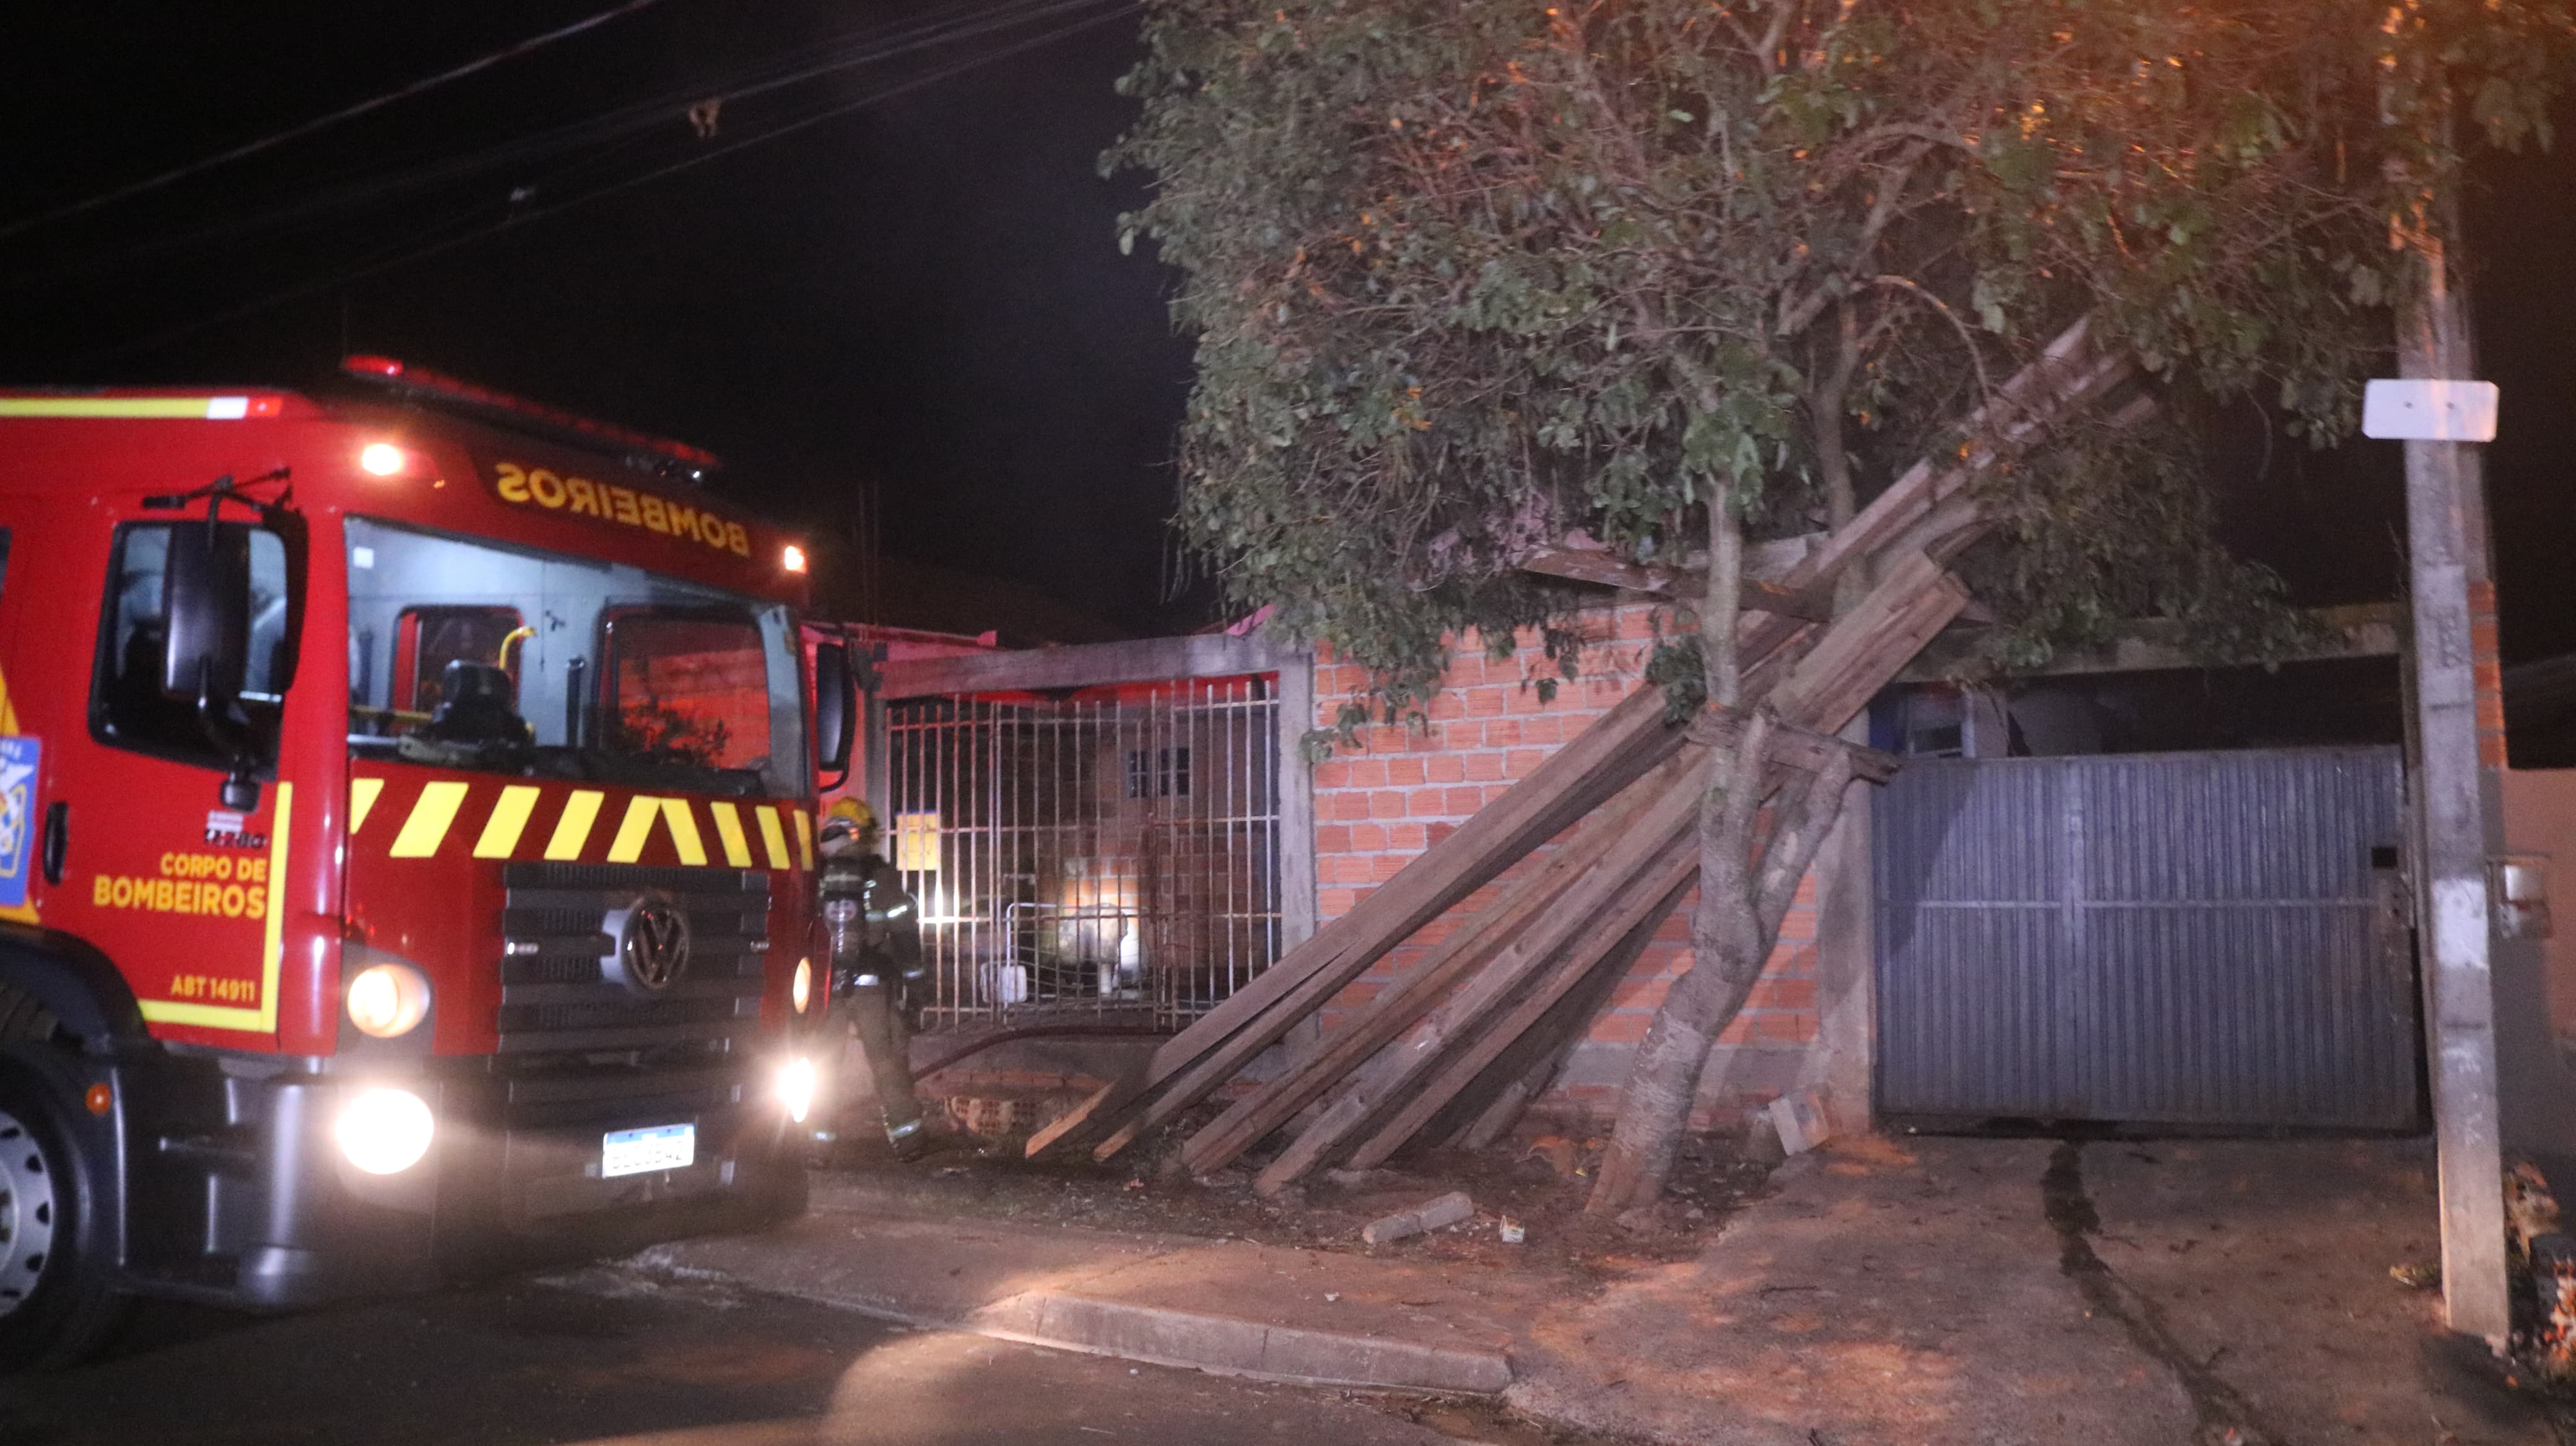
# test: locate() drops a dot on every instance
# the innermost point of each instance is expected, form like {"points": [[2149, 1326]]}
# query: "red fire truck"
{"points": [[406, 844]]}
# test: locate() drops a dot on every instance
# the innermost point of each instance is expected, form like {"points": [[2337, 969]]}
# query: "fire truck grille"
{"points": [[583, 1045]]}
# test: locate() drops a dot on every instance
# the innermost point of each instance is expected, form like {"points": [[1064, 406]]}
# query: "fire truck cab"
{"points": [[406, 844]]}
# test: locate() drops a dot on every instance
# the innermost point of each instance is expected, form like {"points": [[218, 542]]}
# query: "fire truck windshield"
{"points": [[474, 654]]}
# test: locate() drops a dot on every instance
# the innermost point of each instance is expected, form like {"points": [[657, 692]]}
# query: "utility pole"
{"points": [[2460, 742]]}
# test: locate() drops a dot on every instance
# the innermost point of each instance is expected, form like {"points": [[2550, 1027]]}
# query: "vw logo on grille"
{"points": [[653, 945]]}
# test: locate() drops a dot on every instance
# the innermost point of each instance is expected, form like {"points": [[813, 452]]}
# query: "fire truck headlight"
{"points": [[801, 992], [386, 1000], [380, 459], [796, 1088], [383, 1130]]}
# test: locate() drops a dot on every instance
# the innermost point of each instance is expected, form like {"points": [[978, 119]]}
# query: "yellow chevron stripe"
{"points": [[634, 829], [805, 838], [729, 828], [684, 832], [426, 829], [572, 828], [362, 801], [509, 820], [772, 837]]}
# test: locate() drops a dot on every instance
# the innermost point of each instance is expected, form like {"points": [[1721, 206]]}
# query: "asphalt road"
{"points": [[601, 1355]]}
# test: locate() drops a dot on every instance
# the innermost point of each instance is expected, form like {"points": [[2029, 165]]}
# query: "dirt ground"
{"points": [[1538, 1180]]}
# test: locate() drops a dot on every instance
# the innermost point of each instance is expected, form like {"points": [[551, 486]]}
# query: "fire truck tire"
{"points": [[57, 1297]]}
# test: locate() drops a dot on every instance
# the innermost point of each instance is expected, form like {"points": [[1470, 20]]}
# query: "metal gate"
{"points": [[2212, 939], [1111, 859]]}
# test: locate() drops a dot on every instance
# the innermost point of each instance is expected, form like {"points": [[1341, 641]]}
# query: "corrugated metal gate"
{"points": [[2201, 939]]}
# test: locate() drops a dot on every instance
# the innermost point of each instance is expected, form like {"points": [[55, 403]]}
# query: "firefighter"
{"points": [[877, 968]]}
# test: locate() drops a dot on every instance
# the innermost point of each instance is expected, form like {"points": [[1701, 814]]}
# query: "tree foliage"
{"points": [[1465, 275]]}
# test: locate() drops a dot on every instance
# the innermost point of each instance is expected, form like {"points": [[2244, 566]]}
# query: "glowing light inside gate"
{"points": [[793, 559], [380, 459]]}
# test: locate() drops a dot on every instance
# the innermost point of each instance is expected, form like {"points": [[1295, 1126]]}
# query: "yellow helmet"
{"points": [[849, 817]]}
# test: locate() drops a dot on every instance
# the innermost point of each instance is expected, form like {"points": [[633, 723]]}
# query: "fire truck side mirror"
{"points": [[205, 600], [836, 711]]}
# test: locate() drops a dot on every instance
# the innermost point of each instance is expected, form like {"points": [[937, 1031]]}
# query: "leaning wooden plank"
{"points": [[1605, 757], [1419, 987], [1642, 904], [2064, 377], [1913, 600], [1646, 847], [1717, 727], [1488, 1108], [1537, 808]]}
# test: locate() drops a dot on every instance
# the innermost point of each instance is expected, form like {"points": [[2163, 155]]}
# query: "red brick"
{"points": [[1495, 791], [1463, 801], [1383, 867], [1635, 993], [1334, 903], [1388, 804], [1445, 768], [1332, 773], [1368, 773], [1332, 838], [1503, 732], [1543, 730], [1619, 1026], [1411, 838], [1520, 761], [1405, 772], [1427, 802], [1365, 838], [1345, 806], [1448, 704], [1435, 832], [1484, 767]]}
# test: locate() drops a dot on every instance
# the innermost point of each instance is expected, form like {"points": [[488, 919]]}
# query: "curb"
{"points": [[1230, 1345], [1069, 1320]]}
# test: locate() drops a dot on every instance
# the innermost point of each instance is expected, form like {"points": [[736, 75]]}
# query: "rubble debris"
{"points": [[1801, 1120], [1447, 1209], [2416, 1274], [1513, 1233]]}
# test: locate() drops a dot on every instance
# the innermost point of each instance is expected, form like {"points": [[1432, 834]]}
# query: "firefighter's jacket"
{"points": [[874, 924]]}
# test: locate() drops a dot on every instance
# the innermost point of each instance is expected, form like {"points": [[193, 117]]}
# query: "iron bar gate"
{"points": [[1110, 858], [2212, 939]]}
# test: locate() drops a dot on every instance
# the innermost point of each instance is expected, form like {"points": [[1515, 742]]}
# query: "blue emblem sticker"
{"points": [[18, 759]]}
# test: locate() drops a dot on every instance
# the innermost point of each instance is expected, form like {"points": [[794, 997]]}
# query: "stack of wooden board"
{"points": [[1453, 1046]]}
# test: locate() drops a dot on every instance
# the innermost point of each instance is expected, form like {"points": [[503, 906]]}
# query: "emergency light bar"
{"points": [[433, 386]]}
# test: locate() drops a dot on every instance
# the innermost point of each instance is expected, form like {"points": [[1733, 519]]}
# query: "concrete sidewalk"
{"points": [[1949, 1292], [1917, 1292], [1231, 1306]]}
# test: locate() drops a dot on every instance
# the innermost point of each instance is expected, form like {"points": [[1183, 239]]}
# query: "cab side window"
{"points": [[127, 707]]}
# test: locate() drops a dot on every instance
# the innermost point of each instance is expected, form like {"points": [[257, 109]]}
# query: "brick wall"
{"points": [[1381, 803]]}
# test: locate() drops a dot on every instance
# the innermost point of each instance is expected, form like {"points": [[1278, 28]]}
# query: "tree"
{"points": [[1680, 273]]}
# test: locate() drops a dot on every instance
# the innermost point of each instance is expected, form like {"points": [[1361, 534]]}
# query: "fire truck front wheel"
{"points": [[57, 1301]]}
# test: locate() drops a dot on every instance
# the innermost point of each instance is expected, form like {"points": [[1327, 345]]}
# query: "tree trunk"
{"points": [[1654, 1108], [1728, 958]]}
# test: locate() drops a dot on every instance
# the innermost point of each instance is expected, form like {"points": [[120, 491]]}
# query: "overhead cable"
{"points": [[320, 123], [423, 253]]}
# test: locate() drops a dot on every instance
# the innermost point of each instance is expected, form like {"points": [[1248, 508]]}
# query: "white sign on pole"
{"points": [[2429, 411]]}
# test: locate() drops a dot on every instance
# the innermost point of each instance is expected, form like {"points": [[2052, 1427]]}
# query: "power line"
{"points": [[320, 123], [955, 24], [467, 237]]}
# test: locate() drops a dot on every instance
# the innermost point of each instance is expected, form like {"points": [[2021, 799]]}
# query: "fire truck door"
{"points": [[160, 873]]}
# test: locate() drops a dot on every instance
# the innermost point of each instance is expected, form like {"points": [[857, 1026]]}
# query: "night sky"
{"points": [[919, 298]]}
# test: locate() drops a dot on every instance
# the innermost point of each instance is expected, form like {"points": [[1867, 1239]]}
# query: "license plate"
{"points": [[633, 1152]]}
